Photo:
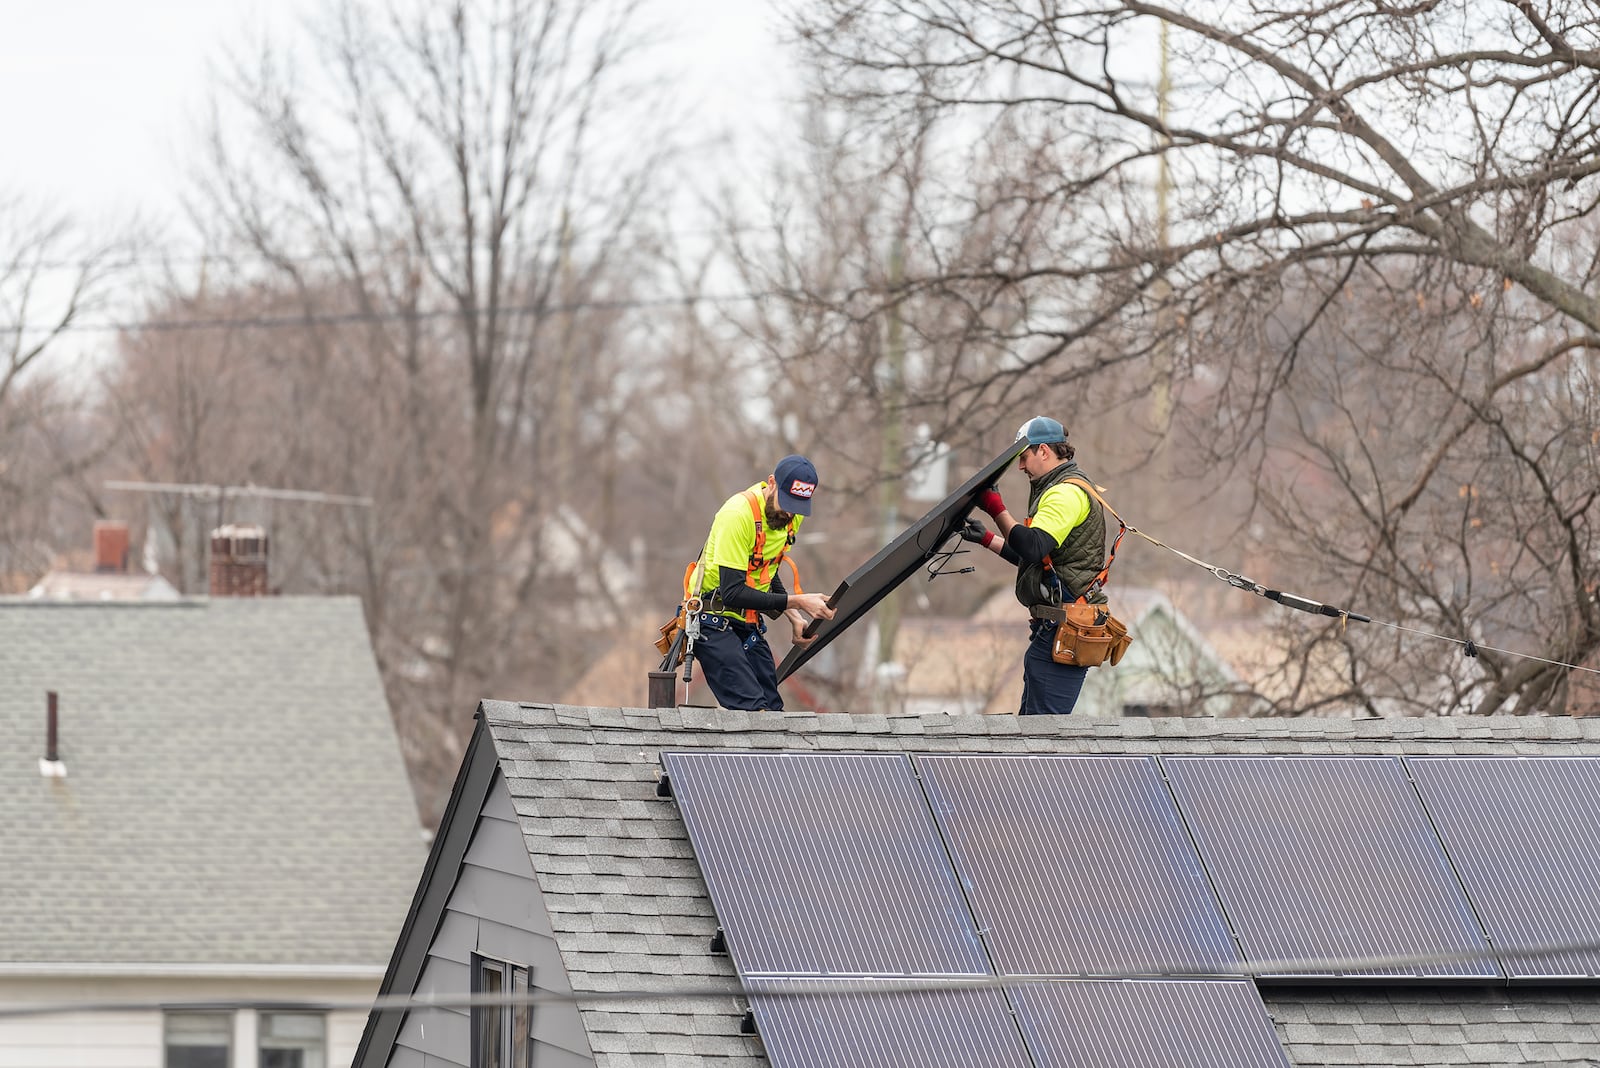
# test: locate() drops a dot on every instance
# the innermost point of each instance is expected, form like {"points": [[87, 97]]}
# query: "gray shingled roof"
{"points": [[631, 911], [234, 792]]}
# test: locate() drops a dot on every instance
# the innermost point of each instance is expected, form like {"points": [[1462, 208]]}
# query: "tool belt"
{"points": [[670, 631], [1087, 635]]}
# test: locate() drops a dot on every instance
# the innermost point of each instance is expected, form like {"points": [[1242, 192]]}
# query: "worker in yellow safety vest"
{"points": [[737, 582]]}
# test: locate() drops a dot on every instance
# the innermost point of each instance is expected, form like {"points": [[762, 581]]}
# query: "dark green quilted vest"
{"points": [[1077, 560]]}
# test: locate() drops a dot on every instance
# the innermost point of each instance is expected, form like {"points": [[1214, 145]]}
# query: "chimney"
{"points": [[110, 546], [50, 765], [238, 561]]}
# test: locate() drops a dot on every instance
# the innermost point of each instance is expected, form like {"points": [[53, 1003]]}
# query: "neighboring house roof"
{"points": [[614, 889], [103, 586], [234, 791]]}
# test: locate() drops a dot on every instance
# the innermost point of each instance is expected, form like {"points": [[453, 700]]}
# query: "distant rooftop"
{"points": [[234, 792]]}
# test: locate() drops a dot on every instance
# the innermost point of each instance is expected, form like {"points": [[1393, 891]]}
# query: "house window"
{"points": [[199, 1039], [293, 1040], [501, 1033]]}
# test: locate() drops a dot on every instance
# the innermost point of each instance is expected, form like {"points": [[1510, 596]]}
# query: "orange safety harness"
{"points": [[759, 569]]}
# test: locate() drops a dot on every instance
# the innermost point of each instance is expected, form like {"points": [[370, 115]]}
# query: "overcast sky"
{"points": [[99, 99]]}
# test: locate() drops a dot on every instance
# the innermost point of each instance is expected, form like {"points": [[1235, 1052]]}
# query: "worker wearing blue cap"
{"points": [[1059, 551], [737, 579]]}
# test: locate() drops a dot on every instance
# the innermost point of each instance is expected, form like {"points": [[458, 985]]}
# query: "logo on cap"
{"points": [[798, 488]]}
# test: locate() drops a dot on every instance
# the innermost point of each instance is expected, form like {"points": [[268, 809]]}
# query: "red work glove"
{"points": [[989, 500]]}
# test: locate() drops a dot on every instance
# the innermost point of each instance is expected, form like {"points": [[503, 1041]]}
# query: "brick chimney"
{"points": [[238, 562], [110, 547]]}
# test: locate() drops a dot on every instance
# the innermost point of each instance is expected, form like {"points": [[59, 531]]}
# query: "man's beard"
{"points": [[775, 518]]}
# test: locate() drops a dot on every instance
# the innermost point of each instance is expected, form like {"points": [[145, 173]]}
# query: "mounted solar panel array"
{"points": [[1525, 836], [1130, 887], [870, 1022], [830, 873], [1078, 865], [1133, 1023], [825, 865], [1329, 858], [1069, 1023]]}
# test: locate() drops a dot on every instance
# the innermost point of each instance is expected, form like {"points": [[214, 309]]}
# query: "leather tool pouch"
{"points": [[669, 631], [1088, 635]]}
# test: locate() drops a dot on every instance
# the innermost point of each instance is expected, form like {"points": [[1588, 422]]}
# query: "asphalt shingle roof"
{"points": [[234, 793], [631, 910]]}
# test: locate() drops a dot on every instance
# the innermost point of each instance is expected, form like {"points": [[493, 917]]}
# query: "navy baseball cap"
{"points": [[1042, 430], [796, 482]]}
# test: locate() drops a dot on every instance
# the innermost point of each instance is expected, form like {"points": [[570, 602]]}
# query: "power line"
{"points": [[1293, 969], [1317, 608], [277, 322]]}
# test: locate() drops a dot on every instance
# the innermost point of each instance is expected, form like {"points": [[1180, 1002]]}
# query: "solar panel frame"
{"points": [[876, 1025], [1329, 858], [897, 561], [1078, 865], [800, 891], [1524, 835], [1147, 1023]]}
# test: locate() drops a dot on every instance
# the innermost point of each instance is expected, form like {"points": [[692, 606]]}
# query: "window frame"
{"points": [[264, 1015], [227, 1016], [515, 1051]]}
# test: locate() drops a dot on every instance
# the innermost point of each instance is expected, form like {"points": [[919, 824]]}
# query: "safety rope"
{"points": [[1318, 608]]}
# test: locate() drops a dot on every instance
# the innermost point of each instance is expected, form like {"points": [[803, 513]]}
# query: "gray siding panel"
{"points": [[405, 1057], [503, 942], [440, 976], [494, 895], [439, 1033], [548, 1056], [561, 1027], [458, 934], [498, 804], [497, 844]]}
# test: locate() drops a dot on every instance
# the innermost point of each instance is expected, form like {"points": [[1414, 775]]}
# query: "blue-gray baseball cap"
{"points": [[1042, 430], [796, 481]]}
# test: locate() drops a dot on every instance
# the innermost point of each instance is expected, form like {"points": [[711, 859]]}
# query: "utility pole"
{"points": [[1161, 394], [891, 459]]}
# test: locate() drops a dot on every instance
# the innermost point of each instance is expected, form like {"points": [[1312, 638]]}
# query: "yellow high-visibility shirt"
{"points": [[733, 538]]}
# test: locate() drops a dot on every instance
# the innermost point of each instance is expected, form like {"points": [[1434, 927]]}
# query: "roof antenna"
{"points": [[50, 765]]}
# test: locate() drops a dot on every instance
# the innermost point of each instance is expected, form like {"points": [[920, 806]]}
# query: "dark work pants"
{"points": [[1048, 688], [737, 663]]}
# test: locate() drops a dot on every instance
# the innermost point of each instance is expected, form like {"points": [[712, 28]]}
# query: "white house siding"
{"points": [[124, 1039]]}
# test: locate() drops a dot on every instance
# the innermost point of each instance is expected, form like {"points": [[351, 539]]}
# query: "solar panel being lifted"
{"points": [[824, 864], [1328, 858], [1524, 833], [875, 1026], [1139, 1023], [1078, 865], [898, 561]]}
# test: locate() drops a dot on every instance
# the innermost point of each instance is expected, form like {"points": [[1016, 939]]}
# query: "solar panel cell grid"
{"points": [[875, 1027], [1328, 858], [1525, 837], [822, 864], [1147, 1024], [1077, 865]]}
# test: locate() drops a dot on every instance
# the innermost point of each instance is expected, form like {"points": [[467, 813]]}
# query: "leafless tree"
{"points": [[52, 275], [1377, 247], [456, 212]]}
